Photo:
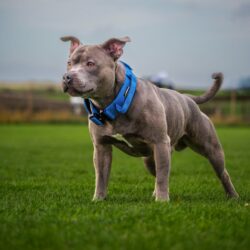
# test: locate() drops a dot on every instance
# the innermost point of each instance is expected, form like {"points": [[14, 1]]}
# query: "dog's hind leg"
{"points": [[149, 163], [181, 145], [203, 140]]}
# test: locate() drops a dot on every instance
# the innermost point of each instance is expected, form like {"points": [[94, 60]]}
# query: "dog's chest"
{"points": [[120, 138], [130, 144]]}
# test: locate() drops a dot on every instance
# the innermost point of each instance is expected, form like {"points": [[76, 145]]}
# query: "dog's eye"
{"points": [[69, 63], [90, 64]]}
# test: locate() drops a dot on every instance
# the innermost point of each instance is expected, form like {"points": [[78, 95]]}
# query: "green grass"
{"points": [[47, 183]]}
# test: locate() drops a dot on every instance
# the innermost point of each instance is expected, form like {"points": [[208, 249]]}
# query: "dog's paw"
{"points": [[234, 196], [162, 197], [98, 198]]}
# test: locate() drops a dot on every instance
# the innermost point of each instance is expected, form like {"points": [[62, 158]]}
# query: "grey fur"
{"points": [[158, 122], [208, 95]]}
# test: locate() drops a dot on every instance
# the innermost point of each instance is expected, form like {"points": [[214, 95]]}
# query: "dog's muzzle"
{"points": [[67, 81]]}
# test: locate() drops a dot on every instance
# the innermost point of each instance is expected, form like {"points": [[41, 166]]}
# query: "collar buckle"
{"points": [[97, 119]]}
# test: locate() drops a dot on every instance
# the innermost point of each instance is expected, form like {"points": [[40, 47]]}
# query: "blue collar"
{"points": [[120, 104]]}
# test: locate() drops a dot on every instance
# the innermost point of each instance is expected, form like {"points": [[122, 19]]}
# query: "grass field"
{"points": [[47, 182]]}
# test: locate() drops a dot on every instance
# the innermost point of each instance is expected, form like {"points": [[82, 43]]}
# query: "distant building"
{"points": [[77, 105]]}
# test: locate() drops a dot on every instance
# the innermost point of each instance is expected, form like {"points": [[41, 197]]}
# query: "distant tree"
{"points": [[244, 83]]}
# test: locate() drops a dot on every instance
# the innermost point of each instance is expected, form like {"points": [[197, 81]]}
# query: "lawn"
{"points": [[47, 183]]}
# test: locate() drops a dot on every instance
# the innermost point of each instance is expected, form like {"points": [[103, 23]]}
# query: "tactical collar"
{"points": [[119, 105]]}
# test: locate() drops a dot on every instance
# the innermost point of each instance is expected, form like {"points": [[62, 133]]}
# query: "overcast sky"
{"points": [[189, 39]]}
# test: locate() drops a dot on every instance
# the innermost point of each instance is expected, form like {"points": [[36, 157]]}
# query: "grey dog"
{"points": [[158, 121]]}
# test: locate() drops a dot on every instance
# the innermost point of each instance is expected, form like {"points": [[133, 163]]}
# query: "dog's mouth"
{"points": [[65, 88], [88, 91], [74, 91]]}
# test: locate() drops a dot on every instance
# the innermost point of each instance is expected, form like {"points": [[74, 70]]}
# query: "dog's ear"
{"points": [[114, 46], [75, 42]]}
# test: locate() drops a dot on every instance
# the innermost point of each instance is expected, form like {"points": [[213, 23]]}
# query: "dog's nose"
{"points": [[67, 78]]}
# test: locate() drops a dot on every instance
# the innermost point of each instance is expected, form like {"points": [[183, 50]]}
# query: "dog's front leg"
{"points": [[162, 162], [102, 161]]}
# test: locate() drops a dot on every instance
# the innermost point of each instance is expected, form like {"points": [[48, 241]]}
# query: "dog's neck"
{"points": [[101, 103]]}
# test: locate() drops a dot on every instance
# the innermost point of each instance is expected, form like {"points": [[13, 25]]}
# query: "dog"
{"points": [[157, 121]]}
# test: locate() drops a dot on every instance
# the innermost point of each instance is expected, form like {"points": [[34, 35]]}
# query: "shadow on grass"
{"points": [[174, 199]]}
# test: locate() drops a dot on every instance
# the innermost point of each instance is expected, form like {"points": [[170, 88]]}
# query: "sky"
{"points": [[189, 39]]}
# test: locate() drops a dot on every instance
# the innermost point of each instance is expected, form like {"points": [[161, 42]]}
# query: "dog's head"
{"points": [[91, 68]]}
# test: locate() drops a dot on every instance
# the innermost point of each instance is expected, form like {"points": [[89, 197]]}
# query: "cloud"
{"points": [[242, 12]]}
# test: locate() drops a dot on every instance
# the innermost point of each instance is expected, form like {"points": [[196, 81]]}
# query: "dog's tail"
{"points": [[211, 92]]}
